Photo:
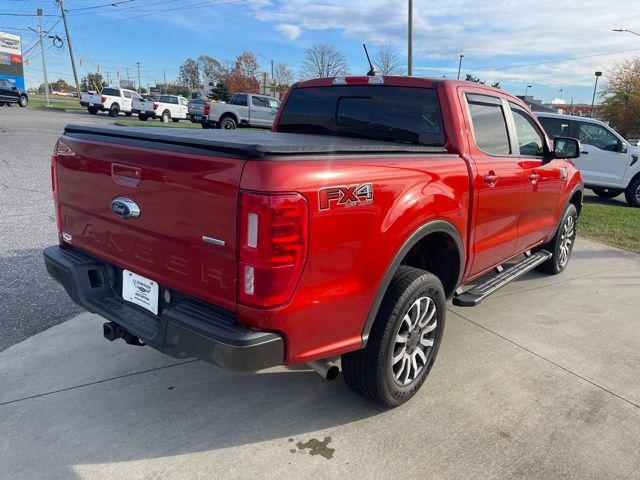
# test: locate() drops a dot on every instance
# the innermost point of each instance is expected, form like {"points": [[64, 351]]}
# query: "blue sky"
{"points": [[553, 45]]}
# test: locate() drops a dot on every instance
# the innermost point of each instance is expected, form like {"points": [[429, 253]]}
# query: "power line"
{"points": [[113, 4], [24, 15]]}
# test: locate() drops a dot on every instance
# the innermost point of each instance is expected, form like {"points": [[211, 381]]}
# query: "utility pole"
{"points": [[128, 79], [593, 100], [410, 40], [271, 71], [66, 29], [139, 84], [44, 63], [460, 65]]}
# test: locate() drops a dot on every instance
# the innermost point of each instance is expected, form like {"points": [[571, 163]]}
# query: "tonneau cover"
{"points": [[249, 144]]}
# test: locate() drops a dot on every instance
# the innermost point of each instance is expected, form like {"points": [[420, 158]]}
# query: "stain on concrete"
{"points": [[293, 450], [316, 447], [506, 435]]}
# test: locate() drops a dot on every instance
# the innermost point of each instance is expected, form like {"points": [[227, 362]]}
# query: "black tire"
{"points": [[606, 192], [370, 372], [114, 110], [227, 123], [144, 118], [175, 120], [92, 110], [166, 116], [128, 114], [1, 104], [24, 101], [205, 125], [563, 239], [632, 193]]}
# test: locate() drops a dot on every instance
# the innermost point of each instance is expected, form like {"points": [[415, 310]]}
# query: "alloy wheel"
{"points": [[566, 240]]}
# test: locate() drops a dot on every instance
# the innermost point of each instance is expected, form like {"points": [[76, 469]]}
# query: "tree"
{"points": [[189, 74], [471, 78], [93, 81], [322, 60], [220, 92], [283, 78], [621, 105], [387, 61], [243, 77], [212, 72]]}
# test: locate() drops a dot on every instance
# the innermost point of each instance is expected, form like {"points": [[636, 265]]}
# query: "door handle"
{"points": [[491, 179], [534, 177]]}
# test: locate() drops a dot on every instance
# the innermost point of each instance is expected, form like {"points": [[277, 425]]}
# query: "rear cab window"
{"points": [[112, 92], [489, 124], [389, 113]]}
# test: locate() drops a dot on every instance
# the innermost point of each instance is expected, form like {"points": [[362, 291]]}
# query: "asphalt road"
{"points": [[31, 301]]}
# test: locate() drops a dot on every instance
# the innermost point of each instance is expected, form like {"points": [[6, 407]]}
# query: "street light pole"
{"points": [[625, 30], [526, 90], [460, 65], [44, 63], [139, 84], [410, 40], [593, 100]]}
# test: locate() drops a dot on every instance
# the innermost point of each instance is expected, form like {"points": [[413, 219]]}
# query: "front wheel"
{"points": [[24, 101], [632, 193], [561, 245], [607, 192], [403, 342]]}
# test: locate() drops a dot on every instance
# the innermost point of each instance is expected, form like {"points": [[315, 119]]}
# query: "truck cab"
{"points": [[242, 110]]}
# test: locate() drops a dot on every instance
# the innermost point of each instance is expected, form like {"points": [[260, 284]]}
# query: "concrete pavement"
{"points": [[540, 381]]}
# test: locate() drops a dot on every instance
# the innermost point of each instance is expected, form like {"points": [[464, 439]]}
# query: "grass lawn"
{"points": [[612, 224], [62, 103], [134, 122]]}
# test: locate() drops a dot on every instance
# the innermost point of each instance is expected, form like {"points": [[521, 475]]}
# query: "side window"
{"points": [[126, 94], [259, 102], [530, 138], [597, 135], [184, 101], [239, 99], [164, 99], [489, 124], [173, 100], [555, 127]]}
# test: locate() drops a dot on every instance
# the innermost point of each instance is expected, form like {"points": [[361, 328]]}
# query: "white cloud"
{"points": [[292, 32], [500, 33]]}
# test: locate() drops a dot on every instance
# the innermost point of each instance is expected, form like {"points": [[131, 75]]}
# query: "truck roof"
{"points": [[245, 144]]}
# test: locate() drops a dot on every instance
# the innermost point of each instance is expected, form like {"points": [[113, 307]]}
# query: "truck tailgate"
{"points": [[185, 235]]}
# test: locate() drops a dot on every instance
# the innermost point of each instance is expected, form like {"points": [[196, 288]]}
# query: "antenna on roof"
{"points": [[372, 71]]}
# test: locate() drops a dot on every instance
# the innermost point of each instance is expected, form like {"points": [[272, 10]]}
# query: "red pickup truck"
{"points": [[342, 232]]}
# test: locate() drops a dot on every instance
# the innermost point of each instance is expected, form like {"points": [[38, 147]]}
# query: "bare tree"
{"points": [[388, 61], [322, 60], [283, 78]]}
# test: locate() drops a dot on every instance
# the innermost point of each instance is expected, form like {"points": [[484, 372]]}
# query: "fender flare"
{"points": [[434, 226]]}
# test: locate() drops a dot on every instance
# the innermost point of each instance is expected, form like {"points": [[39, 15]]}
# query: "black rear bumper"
{"points": [[184, 328]]}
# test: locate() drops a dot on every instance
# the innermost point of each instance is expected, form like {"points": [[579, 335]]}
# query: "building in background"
{"points": [[11, 67]]}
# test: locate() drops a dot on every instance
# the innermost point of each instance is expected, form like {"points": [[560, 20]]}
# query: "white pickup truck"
{"points": [[111, 99], [244, 109], [165, 107]]}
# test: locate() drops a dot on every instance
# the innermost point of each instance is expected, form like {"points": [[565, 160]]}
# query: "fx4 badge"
{"points": [[351, 196]]}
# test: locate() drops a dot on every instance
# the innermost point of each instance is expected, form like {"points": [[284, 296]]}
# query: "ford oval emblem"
{"points": [[125, 207]]}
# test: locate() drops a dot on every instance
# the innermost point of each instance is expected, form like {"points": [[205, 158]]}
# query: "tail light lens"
{"points": [[205, 110], [103, 99], [60, 149], [155, 105], [274, 233]]}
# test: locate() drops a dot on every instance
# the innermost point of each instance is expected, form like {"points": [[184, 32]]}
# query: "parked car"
{"points": [[635, 142], [195, 109], [164, 107], [243, 110], [10, 94], [111, 99], [340, 233], [609, 164]]}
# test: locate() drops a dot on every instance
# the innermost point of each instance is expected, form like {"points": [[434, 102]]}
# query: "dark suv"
{"points": [[11, 94]]}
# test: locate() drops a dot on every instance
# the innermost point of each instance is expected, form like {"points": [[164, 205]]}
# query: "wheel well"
{"points": [[437, 253], [228, 114], [166, 111], [576, 199]]}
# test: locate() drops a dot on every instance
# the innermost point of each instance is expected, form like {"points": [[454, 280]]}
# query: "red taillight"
{"points": [[205, 110], [61, 149], [155, 106], [362, 80], [274, 231], [103, 99]]}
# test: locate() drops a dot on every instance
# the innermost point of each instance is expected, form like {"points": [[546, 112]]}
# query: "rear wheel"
{"points": [[632, 193], [175, 120], [607, 192], [114, 110], [24, 101], [228, 123], [206, 125], [166, 116], [561, 245], [143, 117], [403, 342], [128, 114], [92, 110], [1, 104]]}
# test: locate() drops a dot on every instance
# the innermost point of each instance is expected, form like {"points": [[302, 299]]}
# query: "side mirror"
{"points": [[14, 88], [565, 147], [622, 147]]}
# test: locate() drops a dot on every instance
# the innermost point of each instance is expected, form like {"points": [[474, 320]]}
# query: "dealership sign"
{"points": [[11, 67]]}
